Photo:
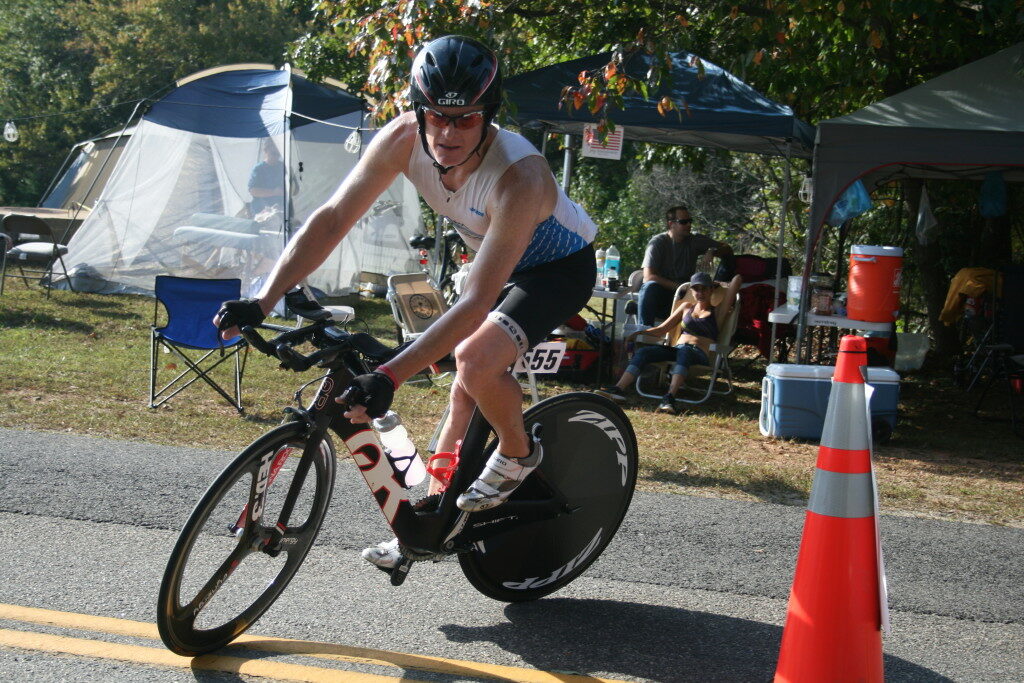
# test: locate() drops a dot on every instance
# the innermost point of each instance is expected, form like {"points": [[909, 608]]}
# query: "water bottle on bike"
{"points": [[400, 450]]}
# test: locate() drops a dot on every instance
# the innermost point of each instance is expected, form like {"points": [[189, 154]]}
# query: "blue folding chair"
{"points": [[191, 304]]}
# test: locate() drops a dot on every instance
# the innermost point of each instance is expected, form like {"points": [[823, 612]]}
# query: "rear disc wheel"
{"points": [[590, 457]]}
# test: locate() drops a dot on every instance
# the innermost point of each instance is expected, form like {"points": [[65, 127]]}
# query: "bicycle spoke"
{"points": [[226, 569]]}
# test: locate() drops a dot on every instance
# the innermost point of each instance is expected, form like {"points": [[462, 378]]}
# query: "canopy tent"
{"points": [[960, 125], [218, 173], [721, 110]]}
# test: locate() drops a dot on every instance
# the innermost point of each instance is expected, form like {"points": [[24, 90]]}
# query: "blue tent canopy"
{"points": [[257, 100], [721, 110]]}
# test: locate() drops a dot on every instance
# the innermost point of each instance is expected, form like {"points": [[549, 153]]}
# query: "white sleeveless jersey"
{"points": [[567, 230]]}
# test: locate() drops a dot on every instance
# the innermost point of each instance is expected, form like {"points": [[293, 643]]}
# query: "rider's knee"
{"points": [[476, 362]]}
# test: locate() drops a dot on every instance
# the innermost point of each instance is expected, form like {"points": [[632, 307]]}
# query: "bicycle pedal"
{"points": [[400, 572]]}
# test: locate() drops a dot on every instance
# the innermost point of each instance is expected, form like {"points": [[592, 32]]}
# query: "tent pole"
{"points": [[801, 323], [567, 164], [287, 147], [543, 141], [781, 242]]}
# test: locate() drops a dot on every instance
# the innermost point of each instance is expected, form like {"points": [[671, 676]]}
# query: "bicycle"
{"points": [[452, 255], [251, 530]]}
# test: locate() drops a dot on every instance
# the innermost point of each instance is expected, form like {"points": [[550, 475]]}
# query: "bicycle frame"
{"points": [[441, 530]]}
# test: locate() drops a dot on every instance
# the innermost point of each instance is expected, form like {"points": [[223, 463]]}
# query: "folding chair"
{"points": [[191, 304], [29, 241], [1003, 360], [415, 304], [718, 358]]}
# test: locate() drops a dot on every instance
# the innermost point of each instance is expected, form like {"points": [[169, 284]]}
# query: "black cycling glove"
{"points": [[375, 391], [240, 312]]}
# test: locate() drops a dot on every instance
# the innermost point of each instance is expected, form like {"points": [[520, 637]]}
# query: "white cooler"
{"points": [[794, 399]]}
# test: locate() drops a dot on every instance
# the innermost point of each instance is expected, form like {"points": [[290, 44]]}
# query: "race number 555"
{"points": [[545, 357]]}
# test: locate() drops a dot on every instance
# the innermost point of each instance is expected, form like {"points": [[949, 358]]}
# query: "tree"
{"points": [[140, 48], [39, 75], [101, 56]]}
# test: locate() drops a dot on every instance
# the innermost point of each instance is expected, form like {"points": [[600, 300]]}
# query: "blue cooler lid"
{"points": [[793, 371], [876, 375]]}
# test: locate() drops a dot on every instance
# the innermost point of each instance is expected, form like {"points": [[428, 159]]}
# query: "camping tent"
{"points": [[218, 174], [961, 125], [85, 171], [721, 111]]}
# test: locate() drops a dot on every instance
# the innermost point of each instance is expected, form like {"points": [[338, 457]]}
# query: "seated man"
{"points": [[696, 327], [670, 260]]}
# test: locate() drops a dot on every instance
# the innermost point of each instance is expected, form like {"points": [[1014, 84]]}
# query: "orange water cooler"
{"points": [[873, 289]]}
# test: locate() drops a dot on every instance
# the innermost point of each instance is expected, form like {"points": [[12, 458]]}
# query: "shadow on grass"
{"points": [[15, 318], [265, 420], [768, 487], [117, 307]]}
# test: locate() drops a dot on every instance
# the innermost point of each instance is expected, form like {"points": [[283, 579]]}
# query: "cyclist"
{"points": [[534, 268]]}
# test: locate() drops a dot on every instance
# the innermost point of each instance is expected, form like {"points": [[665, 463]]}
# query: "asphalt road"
{"points": [[691, 589]]}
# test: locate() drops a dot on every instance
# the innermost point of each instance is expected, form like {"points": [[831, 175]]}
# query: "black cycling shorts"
{"points": [[537, 300]]}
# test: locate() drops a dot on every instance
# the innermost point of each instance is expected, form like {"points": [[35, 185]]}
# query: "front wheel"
{"points": [[590, 458], [233, 558]]}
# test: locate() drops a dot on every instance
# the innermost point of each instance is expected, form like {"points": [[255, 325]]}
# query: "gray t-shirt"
{"points": [[676, 261]]}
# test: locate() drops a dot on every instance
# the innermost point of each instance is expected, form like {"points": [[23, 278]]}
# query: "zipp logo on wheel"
{"points": [[611, 431], [537, 582]]}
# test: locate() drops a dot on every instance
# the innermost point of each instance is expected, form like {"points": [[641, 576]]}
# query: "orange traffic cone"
{"points": [[833, 626]]}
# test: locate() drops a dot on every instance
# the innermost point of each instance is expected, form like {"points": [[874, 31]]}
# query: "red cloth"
{"points": [[753, 328]]}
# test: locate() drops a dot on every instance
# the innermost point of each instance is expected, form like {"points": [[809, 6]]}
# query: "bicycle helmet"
{"points": [[455, 71]]}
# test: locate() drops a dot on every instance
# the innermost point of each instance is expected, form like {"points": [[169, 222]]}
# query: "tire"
{"points": [[209, 553], [590, 456]]}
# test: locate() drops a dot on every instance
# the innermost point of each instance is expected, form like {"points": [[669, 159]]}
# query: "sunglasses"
{"points": [[681, 221], [460, 121]]}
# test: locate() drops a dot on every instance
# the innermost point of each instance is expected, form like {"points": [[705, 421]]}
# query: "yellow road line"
{"points": [[359, 655], [161, 657]]}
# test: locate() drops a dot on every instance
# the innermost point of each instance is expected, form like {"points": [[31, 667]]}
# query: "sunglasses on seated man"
{"points": [[460, 121]]}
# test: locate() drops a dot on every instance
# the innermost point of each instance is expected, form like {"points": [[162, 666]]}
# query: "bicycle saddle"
{"points": [[421, 242], [300, 304]]}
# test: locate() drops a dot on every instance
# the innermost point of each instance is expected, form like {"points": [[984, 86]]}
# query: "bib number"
{"points": [[543, 358]]}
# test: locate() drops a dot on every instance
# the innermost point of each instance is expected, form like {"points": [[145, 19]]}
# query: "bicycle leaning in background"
{"points": [[251, 530]]}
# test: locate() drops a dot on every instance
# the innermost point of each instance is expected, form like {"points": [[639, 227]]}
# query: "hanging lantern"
{"points": [[806, 192], [10, 132], [354, 142]]}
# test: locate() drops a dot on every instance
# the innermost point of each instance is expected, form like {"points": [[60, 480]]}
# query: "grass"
{"points": [[79, 363]]}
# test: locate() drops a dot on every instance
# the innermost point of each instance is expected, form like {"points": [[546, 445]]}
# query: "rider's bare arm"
{"points": [[385, 158], [524, 197]]}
